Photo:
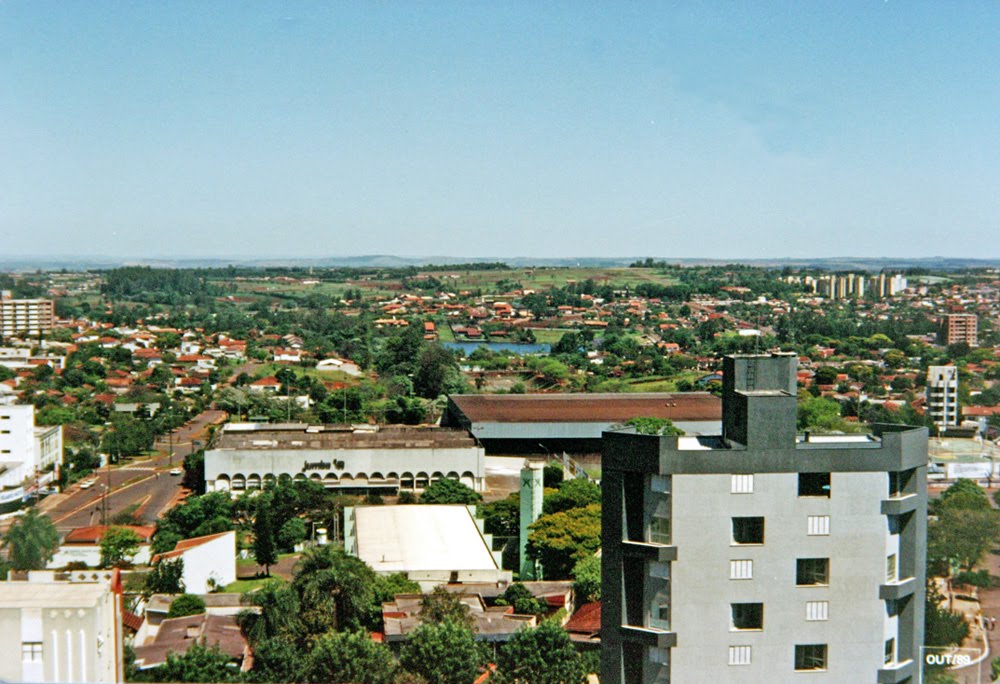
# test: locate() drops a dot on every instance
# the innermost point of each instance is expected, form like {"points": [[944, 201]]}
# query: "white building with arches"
{"points": [[355, 459]]}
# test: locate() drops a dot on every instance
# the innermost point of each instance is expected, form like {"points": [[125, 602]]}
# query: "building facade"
{"points": [[61, 627], [360, 459], [942, 395], [30, 455], [963, 328], [760, 555], [25, 317]]}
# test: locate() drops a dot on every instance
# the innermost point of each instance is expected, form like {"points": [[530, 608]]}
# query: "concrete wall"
{"points": [[857, 546], [213, 560]]}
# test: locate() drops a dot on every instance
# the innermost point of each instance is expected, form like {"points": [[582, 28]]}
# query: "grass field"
{"points": [[547, 278], [245, 585], [664, 384], [267, 369]]}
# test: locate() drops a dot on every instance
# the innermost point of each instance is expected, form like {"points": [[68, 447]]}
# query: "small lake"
{"points": [[469, 347]]}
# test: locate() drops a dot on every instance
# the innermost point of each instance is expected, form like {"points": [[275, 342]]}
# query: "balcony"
{"points": [[893, 673], [649, 551], [899, 504], [892, 591], [649, 636]]}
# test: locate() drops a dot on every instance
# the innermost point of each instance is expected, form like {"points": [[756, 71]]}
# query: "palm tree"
{"points": [[31, 541]]}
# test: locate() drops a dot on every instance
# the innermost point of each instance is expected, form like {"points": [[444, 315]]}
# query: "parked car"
{"points": [[87, 484], [176, 471]]}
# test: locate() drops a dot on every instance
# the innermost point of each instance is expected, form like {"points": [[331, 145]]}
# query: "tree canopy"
{"points": [[543, 655], [31, 541], [442, 653], [448, 491], [562, 539], [118, 545]]}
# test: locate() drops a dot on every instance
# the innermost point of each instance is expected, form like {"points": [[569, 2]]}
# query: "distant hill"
{"points": [[75, 263]]}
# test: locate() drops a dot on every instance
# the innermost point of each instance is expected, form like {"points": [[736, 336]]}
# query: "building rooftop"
{"points": [[588, 408], [301, 436], [15, 594], [421, 537], [492, 623], [179, 634]]}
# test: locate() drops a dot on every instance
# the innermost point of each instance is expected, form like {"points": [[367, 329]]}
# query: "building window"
{"points": [[31, 652], [748, 530], [817, 611], [810, 657], [890, 568], [742, 484], [818, 525], [739, 655], [898, 482], [812, 571], [890, 651], [659, 529], [747, 616], [814, 484], [740, 569], [660, 617], [660, 483], [659, 570]]}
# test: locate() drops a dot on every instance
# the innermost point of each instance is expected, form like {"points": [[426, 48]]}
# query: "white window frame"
{"points": [[741, 484], [817, 611], [741, 569], [740, 655], [818, 526]]}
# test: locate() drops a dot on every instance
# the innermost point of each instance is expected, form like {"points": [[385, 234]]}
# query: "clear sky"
{"points": [[549, 129]]}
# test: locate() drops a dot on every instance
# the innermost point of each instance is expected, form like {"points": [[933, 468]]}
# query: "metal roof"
{"points": [[588, 408]]}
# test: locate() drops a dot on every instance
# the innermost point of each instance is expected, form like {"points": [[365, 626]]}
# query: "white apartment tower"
{"points": [[942, 395]]}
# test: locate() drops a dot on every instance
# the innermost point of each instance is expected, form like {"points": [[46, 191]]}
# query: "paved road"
{"points": [[146, 481]]}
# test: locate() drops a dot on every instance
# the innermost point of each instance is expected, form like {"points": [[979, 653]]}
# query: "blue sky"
{"points": [[723, 129]]}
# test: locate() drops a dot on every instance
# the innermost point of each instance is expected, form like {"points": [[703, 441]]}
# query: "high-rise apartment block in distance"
{"points": [[942, 395], [760, 555], [963, 328], [25, 316], [853, 285]]}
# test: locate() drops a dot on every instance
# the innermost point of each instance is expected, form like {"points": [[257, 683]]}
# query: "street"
{"points": [[146, 482]]}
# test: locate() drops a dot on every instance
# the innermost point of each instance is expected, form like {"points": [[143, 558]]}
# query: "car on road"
{"points": [[176, 471], [87, 484]]}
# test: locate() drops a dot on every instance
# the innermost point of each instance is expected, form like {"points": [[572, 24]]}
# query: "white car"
{"points": [[176, 471], [87, 484]]}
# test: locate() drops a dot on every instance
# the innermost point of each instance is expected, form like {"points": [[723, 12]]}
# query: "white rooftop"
{"points": [[20, 594], [421, 537]]}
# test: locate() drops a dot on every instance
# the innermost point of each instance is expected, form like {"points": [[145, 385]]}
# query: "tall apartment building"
{"points": [[61, 627], [25, 316], [760, 555], [962, 328], [942, 395]]}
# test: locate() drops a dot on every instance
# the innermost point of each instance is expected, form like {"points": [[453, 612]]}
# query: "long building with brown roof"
{"points": [[518, 423]]}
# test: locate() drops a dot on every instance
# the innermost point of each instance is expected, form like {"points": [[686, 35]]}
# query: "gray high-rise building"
{"points": [[761, 555]]}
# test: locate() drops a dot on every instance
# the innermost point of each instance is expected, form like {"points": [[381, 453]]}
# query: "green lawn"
{"points": [[549, 335], [245, 585], [664, 384], [267, 369]]}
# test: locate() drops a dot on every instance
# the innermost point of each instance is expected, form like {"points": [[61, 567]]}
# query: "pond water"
{"points": [[469, 347]]}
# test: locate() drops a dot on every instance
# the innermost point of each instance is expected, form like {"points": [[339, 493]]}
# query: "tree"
{"points": [[442, 653], [278, 660], [265, 550], [552, 476], [166, 577], [186, 604], [522, 600], [118, 545], [543, 655], [31, 541], [562, 539], [194, 472], [436, 369], [653, 426], [335, 590], [503, 518], [825, 375], [277, 616], [442, 605], [447, 491], [961, 536], [350, 658], [942, 627], [575, 493], [291, 533], [587, 580], [818, 412], [197, 664]]}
